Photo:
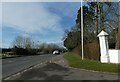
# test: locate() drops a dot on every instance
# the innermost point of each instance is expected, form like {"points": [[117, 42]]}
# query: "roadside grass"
{"points": [[75, 60]]}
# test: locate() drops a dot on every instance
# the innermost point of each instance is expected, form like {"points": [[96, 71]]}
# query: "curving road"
{"points": [[13, 65], [56, 69]]}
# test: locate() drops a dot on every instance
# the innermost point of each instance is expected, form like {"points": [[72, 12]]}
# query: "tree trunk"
{"points": [[96, 14], [102, 18], [118, 35], [102, 24]]}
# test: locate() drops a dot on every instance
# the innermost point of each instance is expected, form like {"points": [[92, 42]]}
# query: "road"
{"points": [[58, 69], [13, 65]]}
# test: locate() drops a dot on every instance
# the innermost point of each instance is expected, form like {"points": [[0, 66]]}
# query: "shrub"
{"points": [[22, 51], [91, 50]]}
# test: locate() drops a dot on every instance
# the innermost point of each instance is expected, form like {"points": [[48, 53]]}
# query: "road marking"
{"points": [[27, 69], [30, 68], [24, 70], [17, 74], [7, 78], [10, 61]]}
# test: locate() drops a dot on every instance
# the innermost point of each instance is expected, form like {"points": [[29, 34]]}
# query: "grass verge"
{"points": [[75, 60]]}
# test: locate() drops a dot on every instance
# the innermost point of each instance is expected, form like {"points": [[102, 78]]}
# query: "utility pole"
{"points": [[82, 30]]}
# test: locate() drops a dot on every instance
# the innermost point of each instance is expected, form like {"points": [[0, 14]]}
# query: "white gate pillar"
{"points": [[103, 39]]}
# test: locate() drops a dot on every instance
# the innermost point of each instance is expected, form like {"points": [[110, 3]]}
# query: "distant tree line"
{"points": [[26, 46]]}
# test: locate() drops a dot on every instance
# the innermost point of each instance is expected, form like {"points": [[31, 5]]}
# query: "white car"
{"points": [[56, 52]]}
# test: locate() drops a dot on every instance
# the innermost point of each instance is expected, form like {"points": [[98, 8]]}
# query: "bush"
{"points": [[32, 51], [22, 51], [19, 51], [91, 50]]}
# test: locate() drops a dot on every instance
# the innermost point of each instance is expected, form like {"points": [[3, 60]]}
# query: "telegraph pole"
{"points": [[82, 30]]}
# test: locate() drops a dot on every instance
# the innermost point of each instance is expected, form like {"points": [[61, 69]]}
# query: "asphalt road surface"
{"points": [[13, 65], [58, 69]]}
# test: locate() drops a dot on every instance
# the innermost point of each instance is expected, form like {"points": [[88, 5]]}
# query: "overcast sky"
{"points": [[43, 21]]}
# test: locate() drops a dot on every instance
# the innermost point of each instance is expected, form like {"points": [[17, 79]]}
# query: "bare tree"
{"points": [[22, 42], [27, 42], [18, 42]]}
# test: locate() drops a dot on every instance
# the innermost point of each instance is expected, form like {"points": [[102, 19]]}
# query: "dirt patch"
{"points": [[53, 67], [32, 73]]}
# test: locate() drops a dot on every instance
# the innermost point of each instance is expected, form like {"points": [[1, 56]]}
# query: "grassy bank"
{"points": [[76, 61]]}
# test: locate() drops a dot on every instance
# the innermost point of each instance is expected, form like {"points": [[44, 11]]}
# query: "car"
{"points": [[56, 52]]}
